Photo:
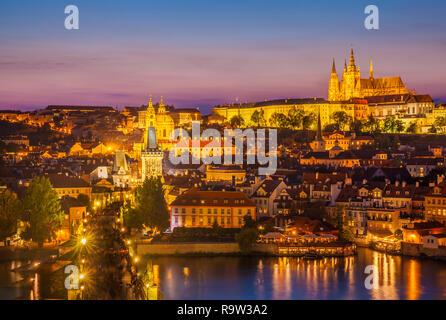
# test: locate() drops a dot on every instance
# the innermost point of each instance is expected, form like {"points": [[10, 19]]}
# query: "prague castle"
{"points": [[352, 86]]}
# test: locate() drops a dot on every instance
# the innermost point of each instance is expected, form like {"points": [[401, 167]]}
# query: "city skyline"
{"points": [[248, 51]]}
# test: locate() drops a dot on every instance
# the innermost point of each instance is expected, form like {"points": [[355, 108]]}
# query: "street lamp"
{"points": [[83, 241]]}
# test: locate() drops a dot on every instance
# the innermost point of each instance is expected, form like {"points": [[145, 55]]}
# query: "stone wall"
{"points": [[186, 248], [197, 248], [417, 250]]}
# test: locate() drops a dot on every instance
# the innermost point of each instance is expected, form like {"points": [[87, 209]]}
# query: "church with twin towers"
{"points": [[352, 85]]}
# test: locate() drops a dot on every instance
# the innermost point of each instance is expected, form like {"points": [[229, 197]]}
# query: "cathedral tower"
{"points": [[352, 86], [333, 86], [151, 156]]}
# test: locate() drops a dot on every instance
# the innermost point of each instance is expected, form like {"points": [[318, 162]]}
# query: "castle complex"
{"points": [[359, 98], [352, 86]]}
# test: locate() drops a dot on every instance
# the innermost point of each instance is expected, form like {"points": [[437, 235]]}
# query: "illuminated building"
{"points": [[353, 86], [202, 208], [435, 204], [165, 120], [151, 156]]}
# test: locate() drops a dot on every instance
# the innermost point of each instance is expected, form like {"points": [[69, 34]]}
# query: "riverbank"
{"points": [[334, 249], [17, 253]]}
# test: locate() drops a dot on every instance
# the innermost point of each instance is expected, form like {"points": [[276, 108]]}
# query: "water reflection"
{"points": [[297, 278]]}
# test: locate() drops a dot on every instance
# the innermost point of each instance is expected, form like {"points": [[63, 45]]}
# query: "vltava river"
{"points": [[296, 278], [277, 278]]}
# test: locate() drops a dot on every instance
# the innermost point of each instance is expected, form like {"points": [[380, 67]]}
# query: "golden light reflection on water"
{"points": [[386, 277], [413, 280], [298, 278]]}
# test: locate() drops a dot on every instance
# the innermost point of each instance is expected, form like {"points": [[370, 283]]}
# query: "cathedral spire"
{"points": [[352, 66], [319, 127], [333, 68], [345, 65], [371, 69], [150, 101], [161, 108]]}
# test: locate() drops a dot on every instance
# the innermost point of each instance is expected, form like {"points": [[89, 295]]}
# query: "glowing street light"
{"points": [[84, 241]]}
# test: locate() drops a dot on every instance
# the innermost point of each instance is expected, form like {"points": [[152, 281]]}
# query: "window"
{"points": [[209, 220], [228, 211], [183, 210], [193, 210], [209, 211], [201, 210], [222, 211], [176, 219], [228, 221], [176, 210], [215, 211]]}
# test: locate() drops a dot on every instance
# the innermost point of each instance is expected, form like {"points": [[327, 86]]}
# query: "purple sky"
{"points": [[202, 54]]}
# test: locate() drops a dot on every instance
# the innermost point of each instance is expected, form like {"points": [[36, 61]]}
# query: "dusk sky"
{"points": [[201, 53]]}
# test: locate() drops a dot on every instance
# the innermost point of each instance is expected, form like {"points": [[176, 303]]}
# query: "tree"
{"points": [[440, 124], [345, 225], [10, 208], [249, 222], [372, 125], [150, 206], [41, 211], [308, 120], [295, 118], [391, 124], [399, 126], [237, 122], [341, 119], [248, 234], [412, 127], [258, 117], [246, 238], [433, 129], [84, 200], [358, 126], [278, 120]]}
